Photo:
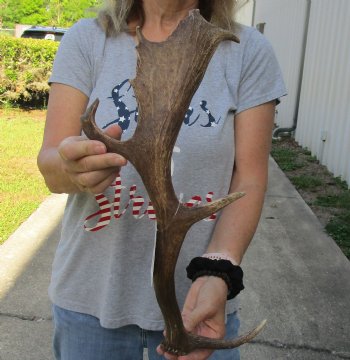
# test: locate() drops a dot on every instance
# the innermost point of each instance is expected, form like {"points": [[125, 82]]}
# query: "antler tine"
{"points": [[89, 124], [195, 214], [214, 344], [92, 131], [200, 342]]}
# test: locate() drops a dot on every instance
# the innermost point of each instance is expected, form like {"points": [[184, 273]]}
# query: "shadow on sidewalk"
{"points": [[25, 310]]}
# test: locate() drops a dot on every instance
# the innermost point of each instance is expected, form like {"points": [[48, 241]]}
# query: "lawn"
{"points": [[22, 188]]}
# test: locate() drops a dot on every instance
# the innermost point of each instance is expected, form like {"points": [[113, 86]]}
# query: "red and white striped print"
{"points": [[104, 213], [107, 210]]}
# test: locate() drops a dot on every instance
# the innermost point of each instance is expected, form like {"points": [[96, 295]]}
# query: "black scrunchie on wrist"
{"points": [[231, 274]]}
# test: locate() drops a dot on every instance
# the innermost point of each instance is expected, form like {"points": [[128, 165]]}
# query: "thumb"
{"points": [[192, 319], [114, 131]]}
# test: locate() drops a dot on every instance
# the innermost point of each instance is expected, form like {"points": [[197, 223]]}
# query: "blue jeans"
{"points": [[81, 337]]}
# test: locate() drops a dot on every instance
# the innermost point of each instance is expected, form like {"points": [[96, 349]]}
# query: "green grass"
{"points": [[311, 159], [305, 182], [329, 193], [341, 183], [341, 201], [22, 188], [339, 229], [286, 159]]}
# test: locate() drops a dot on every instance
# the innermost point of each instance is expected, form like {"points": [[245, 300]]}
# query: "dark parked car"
{"points": [[43, 32]]}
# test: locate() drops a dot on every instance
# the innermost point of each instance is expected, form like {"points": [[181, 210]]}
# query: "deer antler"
{"points": [[168, 74]]}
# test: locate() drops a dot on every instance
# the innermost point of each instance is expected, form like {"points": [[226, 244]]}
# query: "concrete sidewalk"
{"points": [[295, 276]]}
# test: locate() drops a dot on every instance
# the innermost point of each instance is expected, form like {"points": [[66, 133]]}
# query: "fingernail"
{"points": [[121, 159]]}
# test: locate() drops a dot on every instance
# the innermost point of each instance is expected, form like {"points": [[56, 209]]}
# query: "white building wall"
{"points": [[245, 12], [285, 28], [324, 112], [323, 117]]}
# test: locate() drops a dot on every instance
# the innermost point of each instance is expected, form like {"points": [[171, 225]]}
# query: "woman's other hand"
{"points": [[203, 314]]}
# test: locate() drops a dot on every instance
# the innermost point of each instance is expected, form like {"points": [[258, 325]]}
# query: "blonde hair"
{"points": [[115, 14]]}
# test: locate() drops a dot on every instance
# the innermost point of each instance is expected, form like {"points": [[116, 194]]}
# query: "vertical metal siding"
{"points": [[324, 112], [245, 10], [285, 29]]}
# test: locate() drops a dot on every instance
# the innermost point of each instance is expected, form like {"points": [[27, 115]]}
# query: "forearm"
{"points": [[66, 104], [238, 222]]}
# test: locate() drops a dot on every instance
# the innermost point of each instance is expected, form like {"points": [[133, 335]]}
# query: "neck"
{"points": [[163, 16]]}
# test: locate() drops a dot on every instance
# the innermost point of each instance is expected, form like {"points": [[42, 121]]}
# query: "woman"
{"points": [[104, 304]]}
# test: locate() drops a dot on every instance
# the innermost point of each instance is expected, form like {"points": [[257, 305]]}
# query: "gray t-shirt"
{"points": [[103, 262]]}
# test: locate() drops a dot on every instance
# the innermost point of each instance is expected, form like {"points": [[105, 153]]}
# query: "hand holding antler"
{"points": [[88, 164], [203, 313]]}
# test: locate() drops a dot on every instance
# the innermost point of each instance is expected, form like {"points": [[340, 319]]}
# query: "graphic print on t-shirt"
{"points": [[114, 210], [125, 115], [136, 205]]}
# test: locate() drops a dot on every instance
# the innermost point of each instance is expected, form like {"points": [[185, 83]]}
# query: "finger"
{"points": [[191, 303], [199, 314], [161, 352], [114, 131], [101, 186], [97, 162], [197, 355], [77, 147], [169, 356], [192, 296]]}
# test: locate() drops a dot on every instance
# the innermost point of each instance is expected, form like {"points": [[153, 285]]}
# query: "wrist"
{"points": [[51, 166], [217, 286], [220, 256]]}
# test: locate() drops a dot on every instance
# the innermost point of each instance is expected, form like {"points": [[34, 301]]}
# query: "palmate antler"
{"points": [[168, 74]]}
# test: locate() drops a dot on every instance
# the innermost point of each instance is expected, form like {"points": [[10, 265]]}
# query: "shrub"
{"points": [[25, 67]]}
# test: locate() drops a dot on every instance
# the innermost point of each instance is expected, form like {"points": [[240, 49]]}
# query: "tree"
{"points": [[46, 12], [67, 12], [8, 13], [32, 12]]}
